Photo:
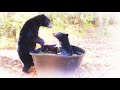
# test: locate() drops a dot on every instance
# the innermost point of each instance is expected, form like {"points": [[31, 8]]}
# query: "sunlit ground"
{"points": [[114, 53], [102, 59]]}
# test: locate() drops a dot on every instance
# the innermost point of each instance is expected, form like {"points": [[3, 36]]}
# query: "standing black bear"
{"points": [[29, 37]]}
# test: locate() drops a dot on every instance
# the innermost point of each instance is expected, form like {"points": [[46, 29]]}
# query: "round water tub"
{"points": [[55, 66]]}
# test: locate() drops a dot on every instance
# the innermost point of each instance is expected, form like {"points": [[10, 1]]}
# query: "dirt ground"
{"points": [[100, 61]]}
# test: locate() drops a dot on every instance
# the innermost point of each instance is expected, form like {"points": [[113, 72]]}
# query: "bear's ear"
{"points": [[66, 34], [43, 15]]}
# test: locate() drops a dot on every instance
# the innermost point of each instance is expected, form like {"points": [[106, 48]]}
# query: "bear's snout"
{"points": [[50, 25]]}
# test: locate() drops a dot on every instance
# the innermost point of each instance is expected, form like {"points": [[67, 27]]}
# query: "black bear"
{"points": [[51, 49], [77, 50], [29, 37], [65, 47]]}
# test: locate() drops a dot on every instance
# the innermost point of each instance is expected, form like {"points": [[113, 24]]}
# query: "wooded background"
{"points": [[77, 24]]}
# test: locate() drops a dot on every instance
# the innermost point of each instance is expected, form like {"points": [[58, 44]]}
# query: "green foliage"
{"points": [[75, 24], [87, 19]]}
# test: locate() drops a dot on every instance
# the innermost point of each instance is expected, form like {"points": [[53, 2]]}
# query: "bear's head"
{"points": [[45, 21], [61, 36], [39, 20]]}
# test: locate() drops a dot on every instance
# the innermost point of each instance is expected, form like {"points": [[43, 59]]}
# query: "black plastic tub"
{"points": [[55, 66]]}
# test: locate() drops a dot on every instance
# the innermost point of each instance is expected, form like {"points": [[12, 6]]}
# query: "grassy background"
{"points": [[76, 24]]}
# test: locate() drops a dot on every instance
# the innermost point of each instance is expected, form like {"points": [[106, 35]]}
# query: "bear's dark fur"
{"points": [[29, 37], [50, 49], [77, 50], [65, 47]]}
